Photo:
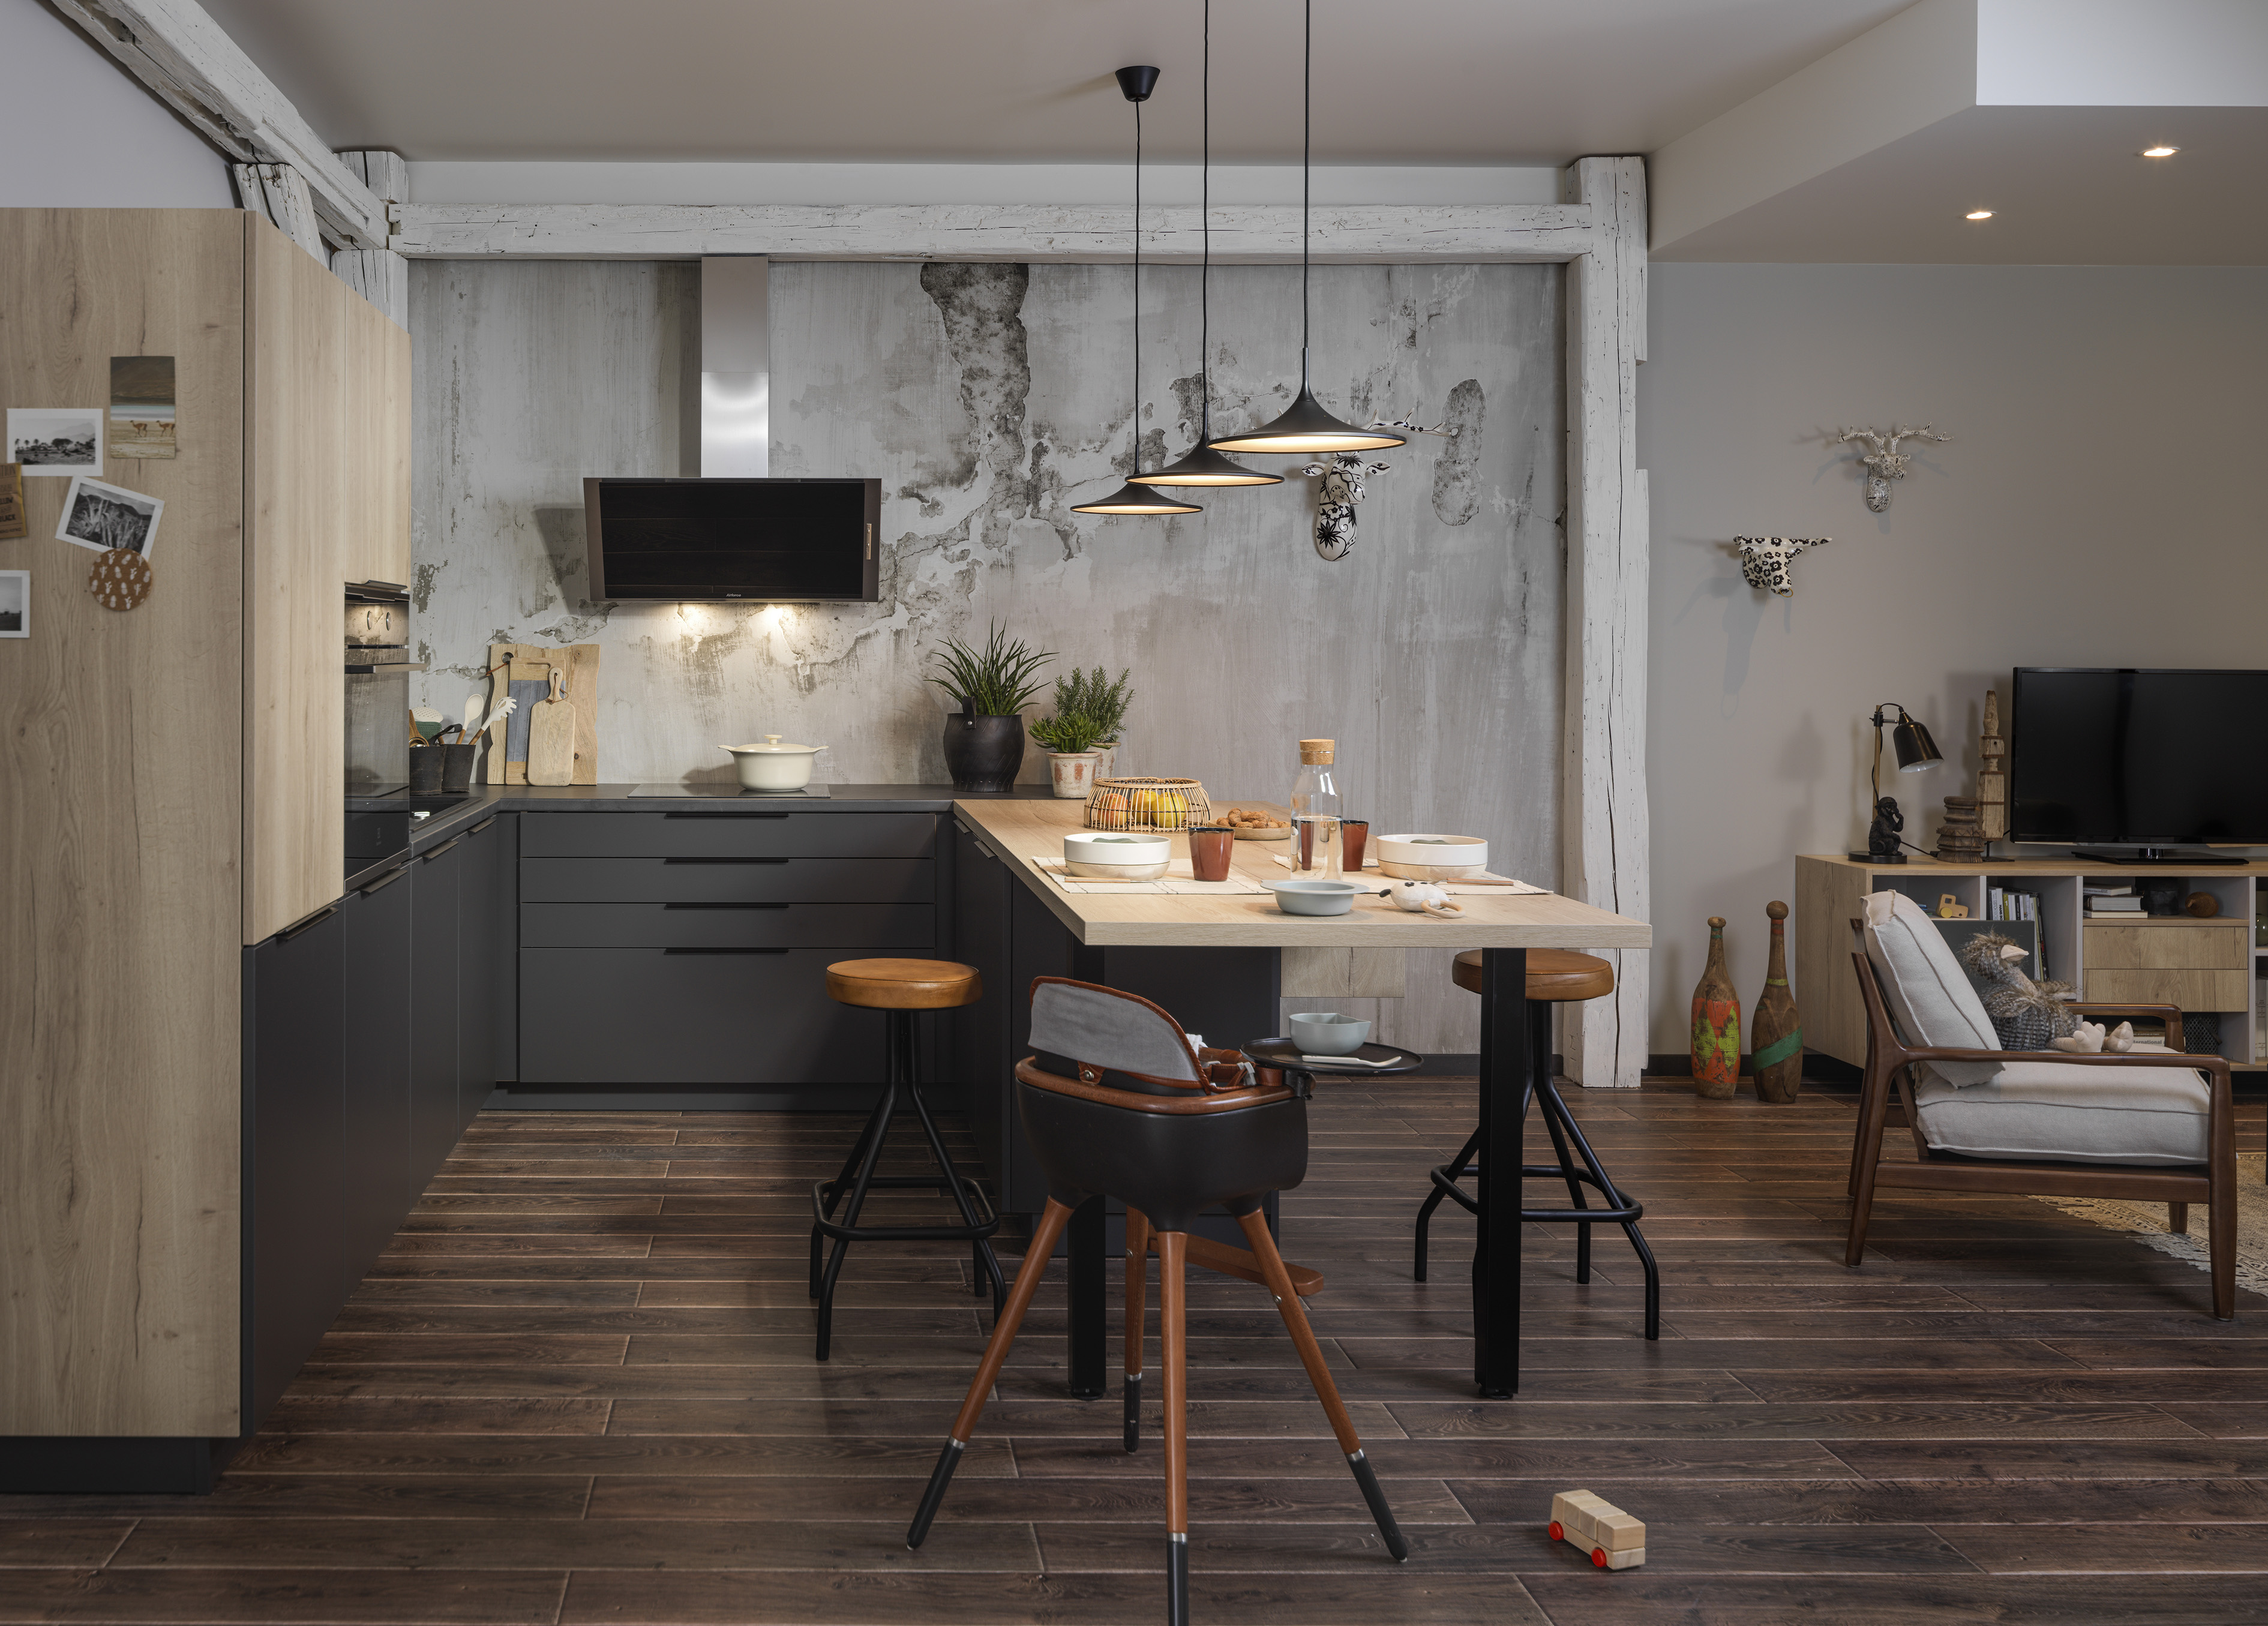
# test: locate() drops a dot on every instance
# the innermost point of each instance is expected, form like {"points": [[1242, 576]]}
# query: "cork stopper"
{"points": [[1317, 753]]}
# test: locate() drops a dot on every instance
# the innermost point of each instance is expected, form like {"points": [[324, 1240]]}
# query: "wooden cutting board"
{"points": [[551, 737], [515, 663]]}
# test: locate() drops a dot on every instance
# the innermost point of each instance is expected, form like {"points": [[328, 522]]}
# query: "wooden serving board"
{"points": [[532, 663]]}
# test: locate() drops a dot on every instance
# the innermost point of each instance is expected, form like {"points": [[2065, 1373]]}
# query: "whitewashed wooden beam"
{"points": [[1260, 234], [1606, 838], [379, 274], [277, 193], [177, 49]]}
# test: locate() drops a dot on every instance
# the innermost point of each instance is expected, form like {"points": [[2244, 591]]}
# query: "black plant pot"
{"points": [[984, 752]]}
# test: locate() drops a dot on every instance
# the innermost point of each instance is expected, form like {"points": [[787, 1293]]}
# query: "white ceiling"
{"points": [[1434, 82]]}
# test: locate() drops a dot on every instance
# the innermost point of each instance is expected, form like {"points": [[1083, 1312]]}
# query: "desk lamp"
{"points": [[1917, 753]]}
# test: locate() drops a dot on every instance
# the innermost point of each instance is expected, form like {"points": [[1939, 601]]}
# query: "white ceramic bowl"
{"points": [[773, 766], [1327, 1033], [1115, 855], [1423, 857]]}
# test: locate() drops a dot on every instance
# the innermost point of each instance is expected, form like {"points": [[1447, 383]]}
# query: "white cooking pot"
{"points": [[772, 765]]}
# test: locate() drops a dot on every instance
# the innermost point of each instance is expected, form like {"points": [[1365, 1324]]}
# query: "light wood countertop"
{"points": [[1015, 830]]}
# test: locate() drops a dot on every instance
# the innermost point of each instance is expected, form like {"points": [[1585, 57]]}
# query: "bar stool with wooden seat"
{"points": [[1554, 976], [1171, 1131], [903, 988]]}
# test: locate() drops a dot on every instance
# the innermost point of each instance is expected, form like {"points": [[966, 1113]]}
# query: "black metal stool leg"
{"points": [[1553, 1105], [878, 1123], [1455, 1169], [850, 1218], [988, 1266], [1574, 1196]]}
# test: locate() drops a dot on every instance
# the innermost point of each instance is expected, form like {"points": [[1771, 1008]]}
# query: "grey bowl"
{"points": [[1315, 897], [1324, 1033]]}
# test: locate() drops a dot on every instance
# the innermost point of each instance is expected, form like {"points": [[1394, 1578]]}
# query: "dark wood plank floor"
{"points": [[579, 1389]]}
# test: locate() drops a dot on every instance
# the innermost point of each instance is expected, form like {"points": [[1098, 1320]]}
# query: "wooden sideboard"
{"points": [[171, 785], [2199, 965]]}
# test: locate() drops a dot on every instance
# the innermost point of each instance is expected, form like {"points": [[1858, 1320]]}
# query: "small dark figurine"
{"points": [[1882, 846]]}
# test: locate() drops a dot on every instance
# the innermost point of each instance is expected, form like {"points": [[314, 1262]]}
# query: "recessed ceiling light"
{"points": [[2160, 152], [1978, 214]]}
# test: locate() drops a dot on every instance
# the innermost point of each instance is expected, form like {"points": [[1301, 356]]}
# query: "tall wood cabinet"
{"points": [[170, 785]]}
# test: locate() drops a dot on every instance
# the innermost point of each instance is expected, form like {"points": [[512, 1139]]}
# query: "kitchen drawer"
{"points": [[897, 927], [630, 1016], [727, 833], [2172, 946], [727, 881], [2192, 990]]}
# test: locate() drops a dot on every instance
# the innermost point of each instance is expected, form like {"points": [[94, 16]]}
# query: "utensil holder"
{"points": [[425, 764], [456, 766]]}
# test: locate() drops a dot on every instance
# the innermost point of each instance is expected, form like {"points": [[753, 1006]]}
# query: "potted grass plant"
{"points": [[1083, 729], [985, 740]]}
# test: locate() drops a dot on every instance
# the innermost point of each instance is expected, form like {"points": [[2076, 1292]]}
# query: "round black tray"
{"points": [[1282, 1052]]}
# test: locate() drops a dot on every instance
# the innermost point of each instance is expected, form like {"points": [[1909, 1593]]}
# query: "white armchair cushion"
{"points": [[2069, 1112], [1930, 996]]}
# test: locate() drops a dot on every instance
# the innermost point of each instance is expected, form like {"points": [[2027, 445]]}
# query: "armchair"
{"points": [[2147, 1127]]}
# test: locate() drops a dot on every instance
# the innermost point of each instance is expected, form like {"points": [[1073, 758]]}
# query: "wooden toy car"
{"points": [[1616, 1540]]}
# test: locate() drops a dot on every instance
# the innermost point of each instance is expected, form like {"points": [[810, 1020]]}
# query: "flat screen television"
{"points": [[2139, 756], [771, 541]]}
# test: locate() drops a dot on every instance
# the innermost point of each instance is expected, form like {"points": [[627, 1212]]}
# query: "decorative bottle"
{"points": [[1776, 1030], [1716, 1024], [1315, 814]]}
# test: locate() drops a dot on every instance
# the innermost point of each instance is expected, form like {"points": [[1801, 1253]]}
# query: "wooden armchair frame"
{"points": [[2177, 1186]]}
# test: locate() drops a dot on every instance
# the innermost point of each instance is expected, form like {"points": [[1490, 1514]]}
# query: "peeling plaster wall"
{"points": [[989, 399]]}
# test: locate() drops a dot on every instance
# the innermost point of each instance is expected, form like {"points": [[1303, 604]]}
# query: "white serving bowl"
{"points": [[773, 766], [1423, 857], [1116, 854]]}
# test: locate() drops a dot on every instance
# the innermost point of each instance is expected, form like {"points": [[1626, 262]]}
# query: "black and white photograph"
{"points": [[55, 440], [102, 516], [15, 604]]}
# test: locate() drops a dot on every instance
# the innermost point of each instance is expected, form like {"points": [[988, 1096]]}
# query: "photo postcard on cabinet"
{"points": [[55, 440], [15, 604], [102, 516], [14, 522], [141, 406]]}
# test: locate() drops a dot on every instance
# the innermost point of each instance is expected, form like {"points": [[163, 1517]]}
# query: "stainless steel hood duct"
{"points": [[736, 366]]}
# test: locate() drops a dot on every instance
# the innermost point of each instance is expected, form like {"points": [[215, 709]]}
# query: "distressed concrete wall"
{"points": [[989, 398]]}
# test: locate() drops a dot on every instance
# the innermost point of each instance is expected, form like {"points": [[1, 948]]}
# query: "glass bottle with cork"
{"points": [[1315, 814]]}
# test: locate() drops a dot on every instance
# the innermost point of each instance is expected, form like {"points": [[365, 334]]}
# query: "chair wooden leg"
{"points": [[1310, 1356], [1044, 1237], [1873, 1111], [2220, 1221], [2177, 1218], [1173, 1324], [1138, 1272]]}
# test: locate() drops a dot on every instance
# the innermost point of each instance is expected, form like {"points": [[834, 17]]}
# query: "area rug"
{"points": [[2146, 1223]]}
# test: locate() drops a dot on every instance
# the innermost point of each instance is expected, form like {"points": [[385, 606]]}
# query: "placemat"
{"points": [[1178, 881], [1370, 871]]}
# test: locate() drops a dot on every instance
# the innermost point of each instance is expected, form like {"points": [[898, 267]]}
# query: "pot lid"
{"points": [[773, 747]]}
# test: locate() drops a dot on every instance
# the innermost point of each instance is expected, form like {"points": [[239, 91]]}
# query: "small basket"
{"points": [[1146, 805]]}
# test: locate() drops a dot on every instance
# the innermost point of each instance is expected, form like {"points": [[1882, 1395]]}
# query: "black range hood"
{"points": [[769, 541]]}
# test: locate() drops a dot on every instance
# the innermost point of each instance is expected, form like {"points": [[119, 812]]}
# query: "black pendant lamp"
{"points": [[1202, 466], [1131, 498], [1307, 428]]}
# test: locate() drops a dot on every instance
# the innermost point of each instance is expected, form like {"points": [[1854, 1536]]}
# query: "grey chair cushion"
{"points": [[1105, 1028], [1930, 996], [2032, 1111]]}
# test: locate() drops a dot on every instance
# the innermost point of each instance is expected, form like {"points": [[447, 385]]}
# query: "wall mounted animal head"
{"points": [[1765, 559], [1885, 462], [1343, 475]]}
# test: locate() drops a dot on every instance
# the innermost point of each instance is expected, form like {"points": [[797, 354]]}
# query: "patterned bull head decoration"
{"points": [[1343, 477], [1765, 559]]}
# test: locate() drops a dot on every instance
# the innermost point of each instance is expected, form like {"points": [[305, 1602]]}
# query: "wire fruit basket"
{"points": [[1146, 805]]}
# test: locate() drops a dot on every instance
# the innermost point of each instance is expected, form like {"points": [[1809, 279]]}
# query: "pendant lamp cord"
{"points": [[1306, 167], [1205, 222], [1134, 466]]}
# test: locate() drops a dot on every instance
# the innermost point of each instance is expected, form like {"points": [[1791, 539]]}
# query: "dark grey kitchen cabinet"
{"points": [[484, 920], [378, 1184], [981, 888], [689, 949], [436, 879], [295, 1153]]}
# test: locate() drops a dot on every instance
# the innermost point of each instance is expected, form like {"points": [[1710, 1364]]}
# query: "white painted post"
{"points": [[278, 195], [1606, 856]]}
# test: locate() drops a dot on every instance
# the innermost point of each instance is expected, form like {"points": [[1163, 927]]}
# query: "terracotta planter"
{"points": [[982, 752], [1072, 773]]}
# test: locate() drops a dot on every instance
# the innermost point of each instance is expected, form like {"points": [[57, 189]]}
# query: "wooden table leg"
{"points": [[1506, 1058], [1089, 1319]]}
